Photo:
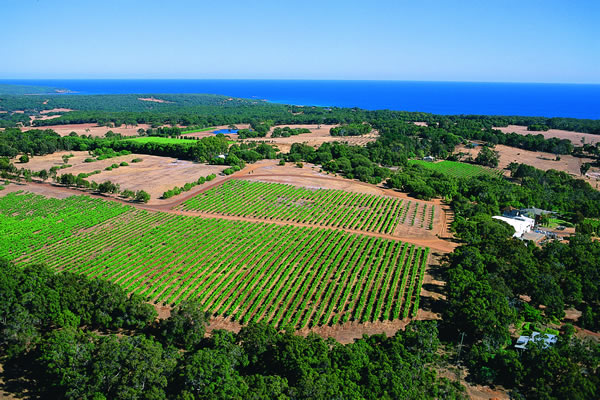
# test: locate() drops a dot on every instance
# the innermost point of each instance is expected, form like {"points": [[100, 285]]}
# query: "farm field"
{"points": [[154, 174], [287, 275], [94, 129], [318, 135], [574, 137], [323, 207], [457, 169], [541, 160]]}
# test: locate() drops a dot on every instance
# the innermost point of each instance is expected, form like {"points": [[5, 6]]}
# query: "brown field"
{"points": [[62, 110], [574, 137], [540, 160], [154, 100], [93, 129], [319, 134], [154, 174]]}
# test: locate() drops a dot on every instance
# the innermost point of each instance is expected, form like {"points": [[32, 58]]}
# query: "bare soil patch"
{"points": [[93, 129], [574, 137], [319, 134], [541, 160], [153, 100], [61, 110], [154, 174]]}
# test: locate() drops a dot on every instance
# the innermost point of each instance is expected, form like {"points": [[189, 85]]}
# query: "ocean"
{"points": [[527, 99]]}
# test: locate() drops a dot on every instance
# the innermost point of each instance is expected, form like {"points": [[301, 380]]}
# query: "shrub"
{"points": [[123, 164], [24, 159], [142, 196]]}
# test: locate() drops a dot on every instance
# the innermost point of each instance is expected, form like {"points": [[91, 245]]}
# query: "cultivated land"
{"points": [[457, 169], [540, 160], [574, 137], [323, 207], [288, 275]]}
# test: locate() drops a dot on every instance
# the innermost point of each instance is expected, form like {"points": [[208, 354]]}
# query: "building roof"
{"points": [[521, 224], [535, 211], [547, 339], [535, 236]]}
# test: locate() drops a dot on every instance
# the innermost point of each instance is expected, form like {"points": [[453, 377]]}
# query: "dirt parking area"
{"points": [[574, 137], [154, 174]]}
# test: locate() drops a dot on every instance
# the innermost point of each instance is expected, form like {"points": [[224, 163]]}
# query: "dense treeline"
{"points": [[38, 142], [77, 338], [210, 110], [286, 131], [350, 130], [495, 282]]}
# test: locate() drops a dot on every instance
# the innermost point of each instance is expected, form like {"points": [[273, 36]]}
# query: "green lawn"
{"points": [[457, 169], [162, 140], [198, 130]]}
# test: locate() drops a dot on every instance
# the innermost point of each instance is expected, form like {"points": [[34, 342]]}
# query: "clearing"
{"points": [[154, 174], [540, 160], [574, 137], [92, 129]]}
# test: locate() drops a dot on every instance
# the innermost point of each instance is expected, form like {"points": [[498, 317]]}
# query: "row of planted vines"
{"points": [[324, 207], [287, 275]]}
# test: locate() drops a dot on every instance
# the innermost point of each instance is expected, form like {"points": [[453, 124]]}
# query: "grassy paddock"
{"points": [[197, 130], [457, 169]]}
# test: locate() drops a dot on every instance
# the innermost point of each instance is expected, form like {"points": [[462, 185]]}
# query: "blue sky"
{"points": [[492, 41]]}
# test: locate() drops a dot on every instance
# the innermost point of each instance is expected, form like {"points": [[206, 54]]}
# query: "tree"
{"points": [[127, 193], [43, 174], [24, 159], [142, 196], [487, 157], [186, 326], [585, 167], [65, 158]]}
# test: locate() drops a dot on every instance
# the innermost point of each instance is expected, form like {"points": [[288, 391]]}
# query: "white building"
{"points": [[520, 223], [546, 339]]}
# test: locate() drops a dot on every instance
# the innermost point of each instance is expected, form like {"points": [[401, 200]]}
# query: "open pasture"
{"points": [[154, 174], [93, 129], [457, 169], [318, 135], [286, 275], [322, 207]]}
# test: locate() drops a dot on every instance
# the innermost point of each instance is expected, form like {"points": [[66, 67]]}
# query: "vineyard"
{"points": [[458, 169], [286, 275], [323, 207]]}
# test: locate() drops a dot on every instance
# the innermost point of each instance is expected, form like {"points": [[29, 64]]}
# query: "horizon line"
{"points": [[299, 79]]}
